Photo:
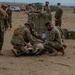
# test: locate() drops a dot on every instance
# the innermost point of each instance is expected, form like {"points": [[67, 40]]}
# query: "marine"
{"points": [[53, 42], [47, 10], [58, 15], [9, 12], [21, 40], [3, 26], [4, 7]]}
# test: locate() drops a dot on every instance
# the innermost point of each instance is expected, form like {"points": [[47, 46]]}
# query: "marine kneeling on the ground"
{"points": [[22, 37], [54, 43]]}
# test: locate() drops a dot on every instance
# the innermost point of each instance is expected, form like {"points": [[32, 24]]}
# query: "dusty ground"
{"points": [[38, 65]]}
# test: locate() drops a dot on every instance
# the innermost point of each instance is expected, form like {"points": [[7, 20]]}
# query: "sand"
{"points": [[38, 65]]}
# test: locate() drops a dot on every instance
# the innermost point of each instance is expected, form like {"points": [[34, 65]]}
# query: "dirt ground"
{"points": [[38, 65]]}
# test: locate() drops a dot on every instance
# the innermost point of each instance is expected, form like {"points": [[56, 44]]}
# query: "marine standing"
{"points": [[3, 26], [9, 12], [58, 15]]}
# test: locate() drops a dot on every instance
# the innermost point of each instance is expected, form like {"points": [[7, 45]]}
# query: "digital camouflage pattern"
{"points": [[9, 12], [54, 38], [58, 16], [4, 6], [1, 29], [23, 37], [3, 24]]}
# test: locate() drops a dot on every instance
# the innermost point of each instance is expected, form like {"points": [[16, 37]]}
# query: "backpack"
{"points": [[18, 30]]}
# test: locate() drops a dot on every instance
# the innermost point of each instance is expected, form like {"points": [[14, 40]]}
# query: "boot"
{"points": [[15, 52], [51, 50], [54, 53], [62, 51], [64, 46]]}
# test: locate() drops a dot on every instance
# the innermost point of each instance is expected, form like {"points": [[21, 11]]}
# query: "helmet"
{"points": [[32, 25]]}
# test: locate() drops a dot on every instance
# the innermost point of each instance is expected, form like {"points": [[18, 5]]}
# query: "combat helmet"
{"points": [[31, 24]]}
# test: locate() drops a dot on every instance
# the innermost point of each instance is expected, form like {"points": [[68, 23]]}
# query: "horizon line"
{"points": [[65, 4]]}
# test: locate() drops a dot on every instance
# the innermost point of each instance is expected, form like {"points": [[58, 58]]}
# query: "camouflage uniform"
{"points": [[9, 12], [62, 37], [26, 37], [18, 43], [61, 33], [58, 16], [53, 38], [4, 6], [1, 29], [47, 10], [30, 10]]}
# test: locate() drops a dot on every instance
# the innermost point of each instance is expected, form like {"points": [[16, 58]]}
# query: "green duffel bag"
{"points": [[71, 34], [65, 32]]}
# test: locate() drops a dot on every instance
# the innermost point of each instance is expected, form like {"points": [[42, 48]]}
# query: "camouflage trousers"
{"points": [[50, 45], [22, 51], [1, 39], [58, 23], [10, 22], [19, 48], [6, 23]]}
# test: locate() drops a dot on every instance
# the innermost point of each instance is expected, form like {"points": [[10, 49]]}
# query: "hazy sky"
{"points": [[51, 1]]}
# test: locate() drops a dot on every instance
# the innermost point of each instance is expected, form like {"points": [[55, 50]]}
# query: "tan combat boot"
{"points": [[62, 50], [64, 46], [15, 52], [54, 53]]}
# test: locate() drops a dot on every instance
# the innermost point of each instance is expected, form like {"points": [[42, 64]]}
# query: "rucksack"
{"points": [[18, 30]]}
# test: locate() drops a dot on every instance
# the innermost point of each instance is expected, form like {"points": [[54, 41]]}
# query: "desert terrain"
{"points": [[39, 65]]}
